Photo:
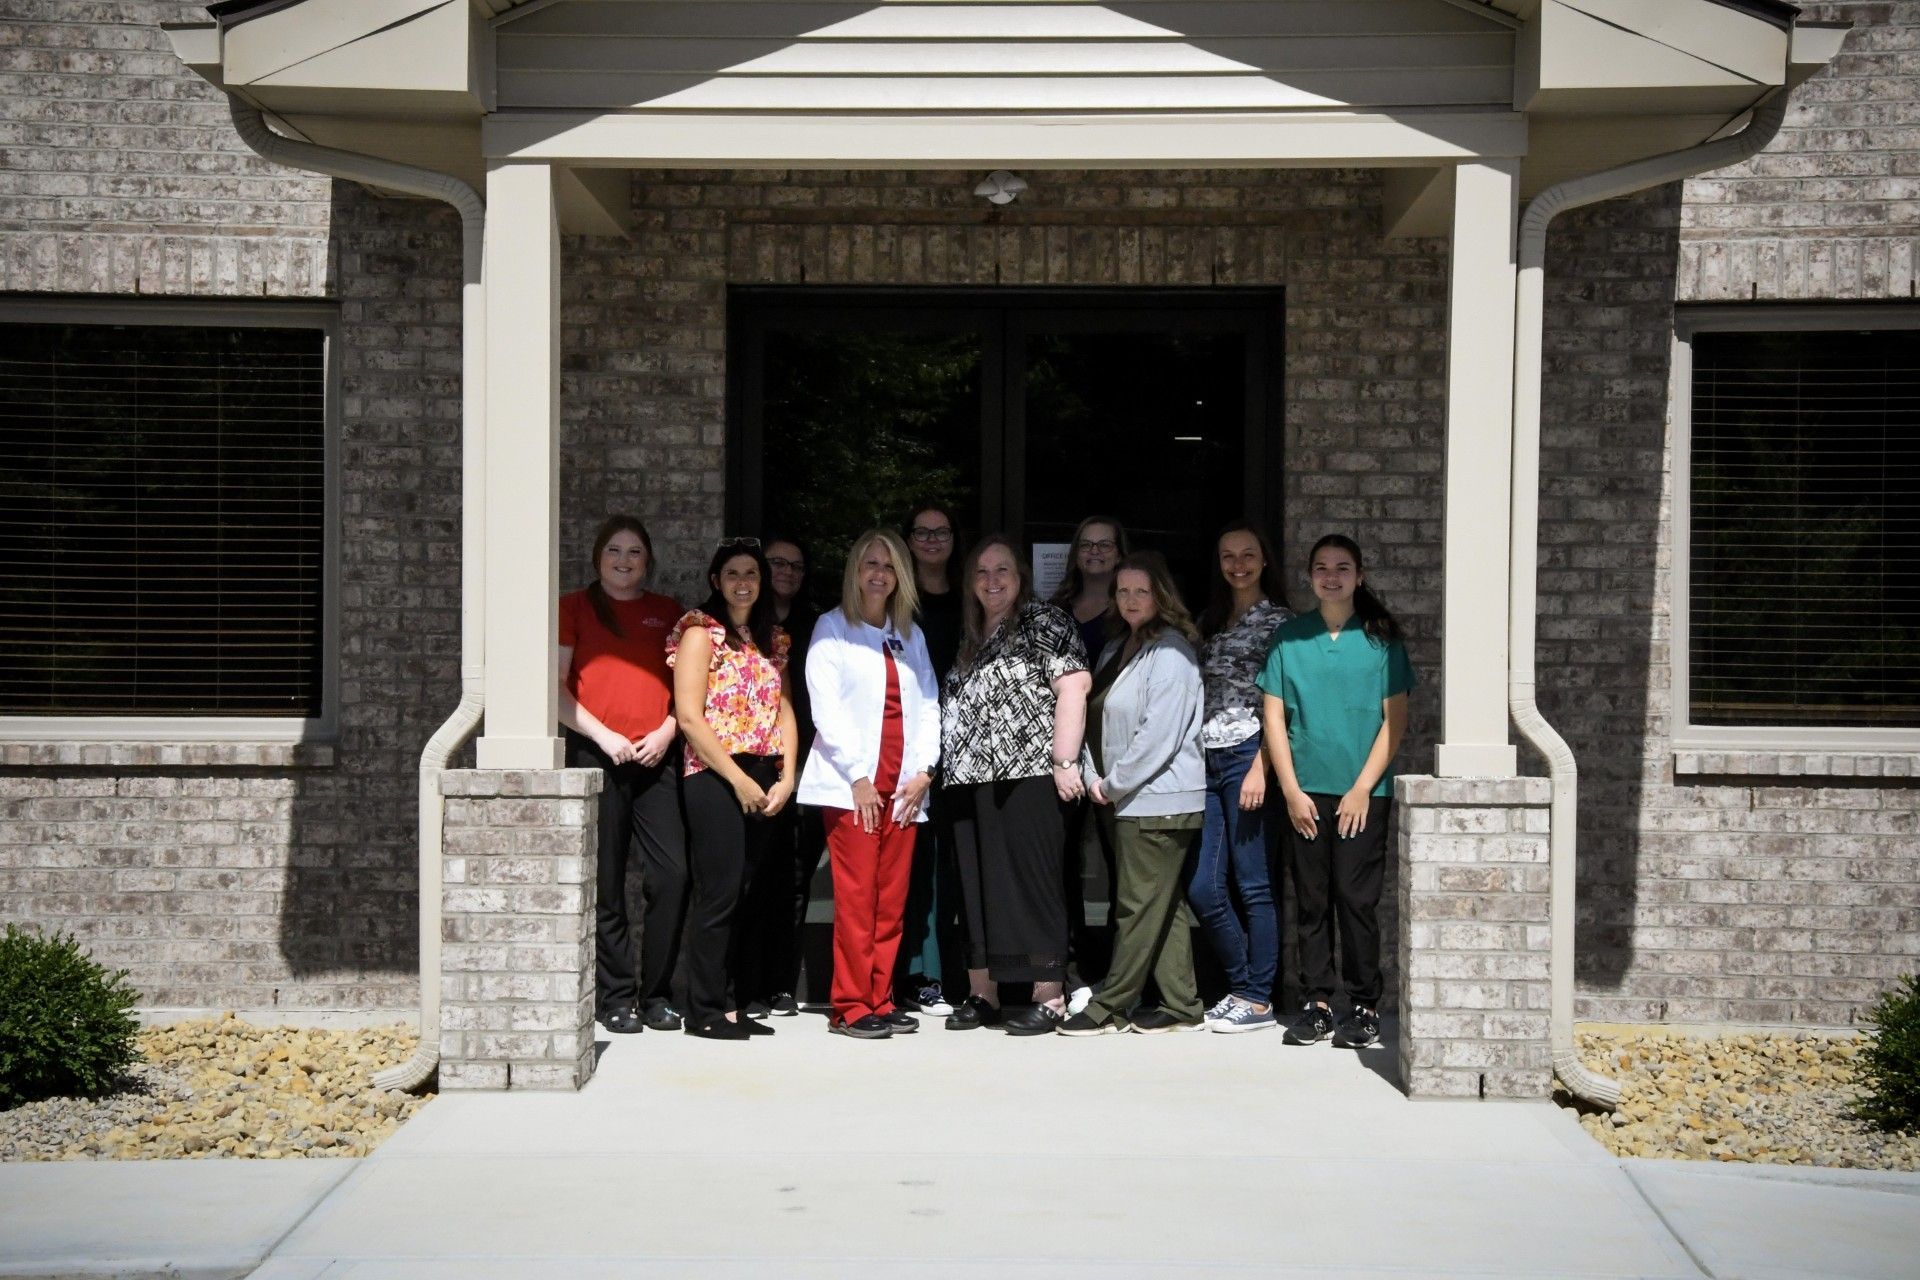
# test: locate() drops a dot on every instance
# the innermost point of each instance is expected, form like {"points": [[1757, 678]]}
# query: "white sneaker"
{"points": [[929, 999], [1078, 999]]}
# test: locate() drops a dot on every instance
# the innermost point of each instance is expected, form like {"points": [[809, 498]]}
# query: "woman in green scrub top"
{"points": [[1335, 710]]}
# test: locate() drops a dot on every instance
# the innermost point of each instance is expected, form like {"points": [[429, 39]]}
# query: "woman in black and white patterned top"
{"points": [[1012, 714], [1236, 836]]}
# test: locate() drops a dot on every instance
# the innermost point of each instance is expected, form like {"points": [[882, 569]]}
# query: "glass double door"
{"points": [[1024, 410]]}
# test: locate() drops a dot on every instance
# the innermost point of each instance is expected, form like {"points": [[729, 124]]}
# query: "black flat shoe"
{"points": [[622, 1021], [902, 1022], [719, 1029], [973, 1013], [1035, 1020], [756, 1028]]}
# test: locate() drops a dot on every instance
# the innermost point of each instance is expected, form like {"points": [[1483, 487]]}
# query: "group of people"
{"points": [[945, 738]]}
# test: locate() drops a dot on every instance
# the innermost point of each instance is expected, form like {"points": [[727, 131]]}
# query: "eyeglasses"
{"points": [[926, 533], [782, 563], [1105, 544]]}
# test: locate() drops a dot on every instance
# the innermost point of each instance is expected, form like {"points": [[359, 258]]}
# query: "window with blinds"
{"points": [[162, 520], [1805, 529]]}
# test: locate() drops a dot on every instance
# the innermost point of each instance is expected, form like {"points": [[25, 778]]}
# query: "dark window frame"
{"points": [[323, 317], [1686, 735]]}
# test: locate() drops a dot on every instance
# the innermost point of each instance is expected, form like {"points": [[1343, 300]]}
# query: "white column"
{"points": [[1479, 472], [522, 284]]}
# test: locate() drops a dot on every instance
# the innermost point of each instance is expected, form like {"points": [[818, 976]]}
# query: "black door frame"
{"points": [[1006, 314]]}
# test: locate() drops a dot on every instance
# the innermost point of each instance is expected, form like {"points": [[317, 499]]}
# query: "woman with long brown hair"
{"points": [[1013, 711], [616, 705]]}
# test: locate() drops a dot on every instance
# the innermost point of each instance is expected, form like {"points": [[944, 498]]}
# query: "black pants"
{"points": [[775, 907], [1340, 877], [1090, 946], [638, 805], [1008, 838], [724, 847]]}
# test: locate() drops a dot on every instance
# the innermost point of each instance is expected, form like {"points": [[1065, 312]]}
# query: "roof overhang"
{"points": [[1565, 86]]}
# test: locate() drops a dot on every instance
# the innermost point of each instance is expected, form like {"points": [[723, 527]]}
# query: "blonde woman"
{"points": [[1147, 778], [876, 715]]}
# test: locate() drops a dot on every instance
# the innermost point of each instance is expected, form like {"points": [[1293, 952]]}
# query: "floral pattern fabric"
{"points": [[743, 689], [996, 714], [1230, 661]]}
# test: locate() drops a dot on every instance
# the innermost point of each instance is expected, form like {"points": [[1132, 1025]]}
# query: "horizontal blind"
{"points": [[162, 504], [1805, 555]]}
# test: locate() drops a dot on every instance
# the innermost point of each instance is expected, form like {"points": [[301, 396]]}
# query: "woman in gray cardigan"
{"points": [[1146, 774]]}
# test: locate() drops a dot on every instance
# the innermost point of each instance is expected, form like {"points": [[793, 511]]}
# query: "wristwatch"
{"points": [[1066, 764]]}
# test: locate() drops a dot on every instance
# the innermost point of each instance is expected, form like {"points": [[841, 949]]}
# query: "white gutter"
{"points": [[1525, 552], [460, 725]]}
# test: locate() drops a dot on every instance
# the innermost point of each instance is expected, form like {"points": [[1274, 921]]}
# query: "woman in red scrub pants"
{"points": [[876, 716]]}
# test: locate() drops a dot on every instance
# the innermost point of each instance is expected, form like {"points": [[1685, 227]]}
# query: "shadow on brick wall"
{"points": [[1602, 615]]}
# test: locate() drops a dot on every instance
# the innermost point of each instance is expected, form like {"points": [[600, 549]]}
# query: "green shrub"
{"points": [[1890, 1064], [66, 1024]]}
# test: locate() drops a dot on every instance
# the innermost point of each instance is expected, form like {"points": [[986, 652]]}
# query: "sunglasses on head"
{"points": [[739, 544]]}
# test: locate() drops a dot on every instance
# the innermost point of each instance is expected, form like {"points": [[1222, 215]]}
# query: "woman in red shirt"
{"points": [[616, 704]]}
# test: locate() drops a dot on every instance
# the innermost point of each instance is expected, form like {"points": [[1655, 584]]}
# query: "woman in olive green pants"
{"points": [[1146, 772]]}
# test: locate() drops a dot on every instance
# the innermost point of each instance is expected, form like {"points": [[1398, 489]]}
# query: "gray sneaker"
{"points": [[1244, 1017], [1221, 1009]]}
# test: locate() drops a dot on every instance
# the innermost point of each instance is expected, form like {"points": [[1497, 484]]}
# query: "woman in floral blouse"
{"points": [[1236, 837], [1012, 713], [729, 693]]}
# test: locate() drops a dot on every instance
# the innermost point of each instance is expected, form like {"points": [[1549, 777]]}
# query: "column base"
{"points": [[1474, 937], [517, 923]]}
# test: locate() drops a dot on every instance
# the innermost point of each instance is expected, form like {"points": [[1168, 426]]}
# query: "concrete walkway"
{"points": [[968, 1154]]}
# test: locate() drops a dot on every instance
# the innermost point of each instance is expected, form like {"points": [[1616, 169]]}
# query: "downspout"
{"points": [[465, 719], [1525, 551]]}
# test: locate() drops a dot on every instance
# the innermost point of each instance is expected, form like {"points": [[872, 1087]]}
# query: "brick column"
{"points": [[516, 957], [1473, 937]]}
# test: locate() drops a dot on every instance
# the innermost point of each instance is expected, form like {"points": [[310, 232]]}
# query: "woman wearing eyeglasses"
{"points": [[1012, 713], [775, 909], [877, 738], [1086, 593], [931, 932], [616, 701], [729, 664]]}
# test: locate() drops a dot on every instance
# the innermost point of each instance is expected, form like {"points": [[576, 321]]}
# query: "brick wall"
{"points": [[1718, 899], [280, 881]]}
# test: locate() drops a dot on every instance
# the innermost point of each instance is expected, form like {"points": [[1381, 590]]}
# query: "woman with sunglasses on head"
{"points": [[729, 662], [1336, 683], [616, 705], [931, 931], [1236, 844], [877, 740], [1144, 773], [1086, 593], [1012, 713], [775, 910]]}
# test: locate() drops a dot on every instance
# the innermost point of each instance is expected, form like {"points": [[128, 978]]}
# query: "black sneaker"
{"points": [[661, 1016], [784, 1006], [902, 1022], [757, 1009], [1085, 1024], [871, 1027], [1153, 1022], [1360, 1029], [1314, 1024], [973, 1013], [1036, 1020]]}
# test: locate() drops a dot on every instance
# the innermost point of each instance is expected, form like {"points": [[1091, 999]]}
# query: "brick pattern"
{"points": [[1473, 956], [1831, 210], [517, 902]]}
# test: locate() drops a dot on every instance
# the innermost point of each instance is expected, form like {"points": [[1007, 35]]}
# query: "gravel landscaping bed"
{"points": [[228, 1088], [1764, 1099]]}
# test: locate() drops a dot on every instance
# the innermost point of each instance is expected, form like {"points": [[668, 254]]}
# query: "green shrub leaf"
{"points": [[66, 1024]]}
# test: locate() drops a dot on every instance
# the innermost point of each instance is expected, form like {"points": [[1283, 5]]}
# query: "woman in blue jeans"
{"points": [[1247, 604]]}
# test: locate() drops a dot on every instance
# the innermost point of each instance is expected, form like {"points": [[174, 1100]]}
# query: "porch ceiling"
{"points": [[1570, 85]]}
